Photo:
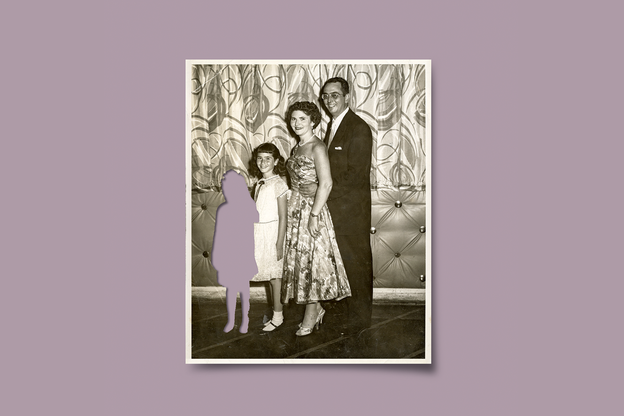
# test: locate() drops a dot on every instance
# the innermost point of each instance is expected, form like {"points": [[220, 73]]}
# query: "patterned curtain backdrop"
{"points": [[237, 107]]}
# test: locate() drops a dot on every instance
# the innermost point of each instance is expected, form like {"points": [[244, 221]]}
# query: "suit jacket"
{"points": [[350, 160]]}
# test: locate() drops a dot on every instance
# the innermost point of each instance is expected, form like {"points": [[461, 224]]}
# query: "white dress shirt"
{"points": [[335, 124]]}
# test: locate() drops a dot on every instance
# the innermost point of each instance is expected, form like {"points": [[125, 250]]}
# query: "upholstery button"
{"points": [[203, 206], [397, 254], [398, 204], [205, 253], [422, 228], [373, 230], [422, 277]]}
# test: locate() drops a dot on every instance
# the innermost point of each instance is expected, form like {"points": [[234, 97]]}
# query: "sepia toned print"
{"points": [[234, 107]]}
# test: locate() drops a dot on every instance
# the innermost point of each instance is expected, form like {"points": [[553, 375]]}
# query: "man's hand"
{"points": [[308, 190]]}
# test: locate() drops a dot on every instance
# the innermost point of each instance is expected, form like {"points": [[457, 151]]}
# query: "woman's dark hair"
{"points": [[279, 169], [310, 109], [344, 85]]}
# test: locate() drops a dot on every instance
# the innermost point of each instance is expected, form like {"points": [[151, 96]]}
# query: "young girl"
{"points": [[234, 229], [271, 195]]}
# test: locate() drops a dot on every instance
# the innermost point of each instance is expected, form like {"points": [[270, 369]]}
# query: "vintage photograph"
{"points": [[308, 200]]}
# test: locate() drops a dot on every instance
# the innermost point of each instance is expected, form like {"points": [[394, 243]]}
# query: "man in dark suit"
{"points": [[349, 142]]}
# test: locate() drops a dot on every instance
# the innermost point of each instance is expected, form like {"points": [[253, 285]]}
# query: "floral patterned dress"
{"points": [[313, 268]]}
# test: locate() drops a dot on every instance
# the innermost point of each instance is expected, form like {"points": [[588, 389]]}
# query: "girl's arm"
{"points": [[283, 219], [323, 173]]}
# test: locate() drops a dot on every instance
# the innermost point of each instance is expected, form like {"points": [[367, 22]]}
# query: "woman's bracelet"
{"points": [[313, 214]]}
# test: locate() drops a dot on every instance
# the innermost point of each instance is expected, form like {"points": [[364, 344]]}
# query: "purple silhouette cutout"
{"points": [[233, 247]]}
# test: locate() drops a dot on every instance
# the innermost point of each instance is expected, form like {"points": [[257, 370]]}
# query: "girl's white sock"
{"points": [[278, 317]]}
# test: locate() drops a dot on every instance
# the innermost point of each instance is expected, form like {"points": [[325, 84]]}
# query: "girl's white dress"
{"points": [[265, 231]]}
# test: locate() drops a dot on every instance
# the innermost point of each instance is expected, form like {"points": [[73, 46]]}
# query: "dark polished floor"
{"points": [[397, 332]]}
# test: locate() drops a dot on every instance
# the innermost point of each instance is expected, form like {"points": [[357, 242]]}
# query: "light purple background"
{"points": [[527, 222]]}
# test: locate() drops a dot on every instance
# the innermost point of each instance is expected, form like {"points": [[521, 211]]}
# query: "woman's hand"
{"points": [[313, 226], [280, 251]]}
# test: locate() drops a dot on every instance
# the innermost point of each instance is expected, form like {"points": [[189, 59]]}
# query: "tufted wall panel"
{"points": [[203, 213], [398, 238]]}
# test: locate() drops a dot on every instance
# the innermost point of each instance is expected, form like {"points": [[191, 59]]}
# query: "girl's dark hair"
{"points": [[310, 109], [279, 169]]}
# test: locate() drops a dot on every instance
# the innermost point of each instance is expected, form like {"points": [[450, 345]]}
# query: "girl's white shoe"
{"points": [[271, 326]]}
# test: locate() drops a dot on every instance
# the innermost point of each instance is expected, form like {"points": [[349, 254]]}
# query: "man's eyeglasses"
{"points": [[333, 95]]}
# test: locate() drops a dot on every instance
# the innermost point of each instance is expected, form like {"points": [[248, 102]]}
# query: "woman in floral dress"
{"points": [[313, 268]]}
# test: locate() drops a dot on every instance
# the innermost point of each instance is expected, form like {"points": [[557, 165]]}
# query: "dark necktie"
{"points": [[328, 132]]}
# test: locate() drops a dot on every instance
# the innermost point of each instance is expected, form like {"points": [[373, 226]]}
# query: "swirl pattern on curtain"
{"points": [[237, 107]]}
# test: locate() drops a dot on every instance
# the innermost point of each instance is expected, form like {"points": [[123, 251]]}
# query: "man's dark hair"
{"points": [[344, 85]]}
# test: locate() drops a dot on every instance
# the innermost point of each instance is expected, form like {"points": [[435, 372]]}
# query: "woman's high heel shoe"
{"points": [[303, 330], [319, 317]]}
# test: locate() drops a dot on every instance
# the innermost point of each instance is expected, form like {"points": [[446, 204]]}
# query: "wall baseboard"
{"points": [[258, 295]]}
